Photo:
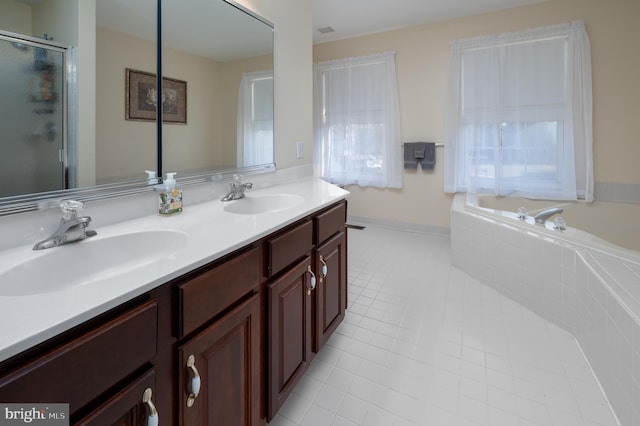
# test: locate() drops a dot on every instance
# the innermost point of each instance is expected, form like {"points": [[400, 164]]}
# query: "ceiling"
{"points": [[350, 18], [205, 25]]}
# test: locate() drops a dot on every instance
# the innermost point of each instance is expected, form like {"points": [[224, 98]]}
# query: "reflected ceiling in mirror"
{"points": [[225, 55]]}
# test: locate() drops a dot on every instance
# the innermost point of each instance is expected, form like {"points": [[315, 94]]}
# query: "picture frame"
{"points": [[141, 98]]}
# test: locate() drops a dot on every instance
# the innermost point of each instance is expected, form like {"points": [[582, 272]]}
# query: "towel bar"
{"points": [[438, 144]]}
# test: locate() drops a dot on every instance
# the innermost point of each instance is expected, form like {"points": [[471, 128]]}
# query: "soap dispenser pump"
{"points": [[170, 201]]}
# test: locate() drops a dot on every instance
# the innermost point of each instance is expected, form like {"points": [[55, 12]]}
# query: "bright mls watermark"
{"points": [[35, 414]]}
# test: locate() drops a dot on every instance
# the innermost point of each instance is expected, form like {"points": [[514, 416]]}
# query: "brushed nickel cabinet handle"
{"points": [[195, 381], [152, 420], [312, 282], [325, 269]]}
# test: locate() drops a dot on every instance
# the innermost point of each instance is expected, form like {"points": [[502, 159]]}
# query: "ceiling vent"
{"points": [[325, 30]]}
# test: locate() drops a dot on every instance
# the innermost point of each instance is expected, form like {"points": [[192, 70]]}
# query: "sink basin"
{"points": [[89, 261], [257, 204]]}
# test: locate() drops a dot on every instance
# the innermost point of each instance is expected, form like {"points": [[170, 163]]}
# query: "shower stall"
{"points": [[33, 115]]}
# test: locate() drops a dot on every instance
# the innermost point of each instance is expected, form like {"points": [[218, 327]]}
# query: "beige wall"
{"points": [[15, 17], [57, 19], [196, 145], [422, 58], [114, 134], [86, 109]]}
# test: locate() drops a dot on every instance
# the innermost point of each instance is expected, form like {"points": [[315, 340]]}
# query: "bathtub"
{"points": [[585, 282]]}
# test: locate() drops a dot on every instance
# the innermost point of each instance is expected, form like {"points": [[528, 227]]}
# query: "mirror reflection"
{"points": [[125, 39], [62, 100], [72, 80], [33, 139], [225, 57]]}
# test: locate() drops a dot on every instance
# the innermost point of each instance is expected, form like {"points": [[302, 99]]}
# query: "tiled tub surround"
{"points": [[617, 192], [587, 288]]}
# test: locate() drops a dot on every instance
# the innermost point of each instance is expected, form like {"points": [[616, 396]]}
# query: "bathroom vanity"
{"points": [[217, 337]]}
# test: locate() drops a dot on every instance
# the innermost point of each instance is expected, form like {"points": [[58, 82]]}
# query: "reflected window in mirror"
{"points": [[255, 119]]}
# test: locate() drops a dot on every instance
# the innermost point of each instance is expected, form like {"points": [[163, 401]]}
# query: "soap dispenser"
{"points": [[170, 201]]}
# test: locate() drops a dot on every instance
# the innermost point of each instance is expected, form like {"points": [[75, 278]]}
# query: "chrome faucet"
{"points": [[237, 189], [71, 228], [542, 217]]}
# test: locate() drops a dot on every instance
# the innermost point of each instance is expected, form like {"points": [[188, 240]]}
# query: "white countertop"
{"points": [[210, 232]]}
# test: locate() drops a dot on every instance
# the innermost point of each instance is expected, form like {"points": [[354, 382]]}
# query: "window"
{"points": [[519, 114], [356, 121], [255, 119]]}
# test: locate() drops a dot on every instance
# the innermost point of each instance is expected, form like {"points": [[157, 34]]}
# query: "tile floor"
{"points": [[425, 344]]}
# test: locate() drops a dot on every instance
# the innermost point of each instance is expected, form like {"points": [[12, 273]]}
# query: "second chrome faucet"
{"points": [[237, 189]]}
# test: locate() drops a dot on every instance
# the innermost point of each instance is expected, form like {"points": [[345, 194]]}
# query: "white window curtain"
{"points": [[357, 121], [519, 114], [255, 119]]}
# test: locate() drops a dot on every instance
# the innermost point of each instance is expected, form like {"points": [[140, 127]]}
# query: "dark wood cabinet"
{"points": [[247, 326], [289, 332], [225, 360], [308, 301], [220, 328], [331, 288], [330, 264]]}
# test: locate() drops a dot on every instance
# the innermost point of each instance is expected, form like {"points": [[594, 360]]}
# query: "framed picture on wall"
{"points": [[141, 98]]}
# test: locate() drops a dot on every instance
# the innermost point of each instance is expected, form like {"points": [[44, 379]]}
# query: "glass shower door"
{"points": [[32, 104]]}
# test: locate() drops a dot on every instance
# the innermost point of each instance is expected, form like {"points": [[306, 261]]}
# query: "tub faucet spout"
{"points": [[542, 217]]}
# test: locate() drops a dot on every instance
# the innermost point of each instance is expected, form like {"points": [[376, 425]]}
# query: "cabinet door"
{"points": [[289, 332], [226, 358], [128, 407], [331, 291]]}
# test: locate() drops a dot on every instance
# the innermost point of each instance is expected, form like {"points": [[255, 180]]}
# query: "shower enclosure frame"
{"points": [[68, 103]]}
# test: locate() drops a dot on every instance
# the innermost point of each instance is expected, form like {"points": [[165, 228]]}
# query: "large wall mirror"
{"points": [[86, 139], [223, 56]]}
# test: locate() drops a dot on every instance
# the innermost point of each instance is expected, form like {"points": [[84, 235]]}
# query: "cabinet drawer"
{"points": [[286, 248], [125, 407], [208, 294], [85, 367], [329, 222]]}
